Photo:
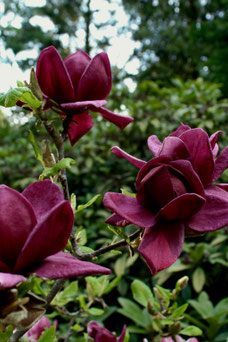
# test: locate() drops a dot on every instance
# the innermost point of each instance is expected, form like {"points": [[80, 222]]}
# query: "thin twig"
{"points": [[108, 248], [69, 329]]}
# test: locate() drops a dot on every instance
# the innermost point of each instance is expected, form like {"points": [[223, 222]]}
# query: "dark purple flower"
{"points": [[34, 333], [178, 339], [34, 228], [101, 334], [175, 194], [76, 84]]}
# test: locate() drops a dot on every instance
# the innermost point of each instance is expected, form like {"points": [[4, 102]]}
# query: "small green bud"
{"points": [[174, 328], [34, 86]]}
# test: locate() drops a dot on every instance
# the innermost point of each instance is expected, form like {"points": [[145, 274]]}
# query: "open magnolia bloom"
{"points": [[76, 84], [34, 228], [101, 334], [175, 195]]}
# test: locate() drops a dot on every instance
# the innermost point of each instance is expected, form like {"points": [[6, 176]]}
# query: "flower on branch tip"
{"points": [[178, 339], [34, 333], [101, 334], [34, 227], [175, 194], [77, 84]]}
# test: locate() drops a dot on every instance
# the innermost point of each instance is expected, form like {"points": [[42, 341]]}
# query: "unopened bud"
{"points": [[157, 294], [34, 86], [151, 309], [48, 157], [181, 284]]}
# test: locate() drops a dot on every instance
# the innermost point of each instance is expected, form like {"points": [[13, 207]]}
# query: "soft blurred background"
{"points": [[169, 65]]}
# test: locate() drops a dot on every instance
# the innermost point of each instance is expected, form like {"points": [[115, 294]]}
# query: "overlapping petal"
{"points": [[17, 220], [53, 77], [117, 119], [8, 280], [122, 154], [175, 148], [154, 145], [96, 81], [214, 213], [101, 334], [62, 265], [162, 244], [221, 164], [129, 209], [80, 124]]}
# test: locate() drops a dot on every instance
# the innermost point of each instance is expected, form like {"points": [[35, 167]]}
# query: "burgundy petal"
{"points": [[154, 145], [117, 220], [122, 154], [181, 208], [162, 245], [38, 328], [72, 106], [4, 267], [8, 280], [122, 336], [43, 196], [181, 129], [221, 164], [214, 214], [129, 209], [213, 141], [185, 168], [155, 189], [49, 236], [79, 126], [53, 76], [62, 265], [117, 119], [17, 220], [76, 64], [175, 148], [96, 81], [199, 147]]}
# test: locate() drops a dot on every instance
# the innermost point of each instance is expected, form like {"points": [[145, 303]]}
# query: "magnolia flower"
{"points": [[34, 333], [101, 334], [179, 339], [175, 195], [76, 84], [34, 228]]}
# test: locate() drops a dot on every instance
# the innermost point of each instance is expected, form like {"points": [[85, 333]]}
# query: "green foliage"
{"points": [[48, 335], [5, 335], [64, 163], [23, 94]]}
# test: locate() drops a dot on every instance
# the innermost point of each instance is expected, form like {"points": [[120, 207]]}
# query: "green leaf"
{"points": [[125, 192], [95, 311], [52, 171], [141, 292], [76, 327], [88, 204], [198, 279], [4, 336], [73, 201], [48, 335], [203, 306], [133, 312], [179, 311], [115, 282], [119, 232], [23, 94], [71, 290], [191, 330], [36, 149], [81, 237]]}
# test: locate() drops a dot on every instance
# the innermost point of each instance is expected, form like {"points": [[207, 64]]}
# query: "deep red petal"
{"points": [[53, 76], [175, 148], [181, 208], [79, 126], [129, 209], [214, 214], [49, 236], [62, 265], [117, 220], [17, 220], [221, 164], [213, 141], [72, 106], [162, 245], [76, 64], [8, 280], [199, 147], [154, 145], [180, 130], [96, 81], [43, 197], [122, 336], [122, 154], [117, 119]]}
